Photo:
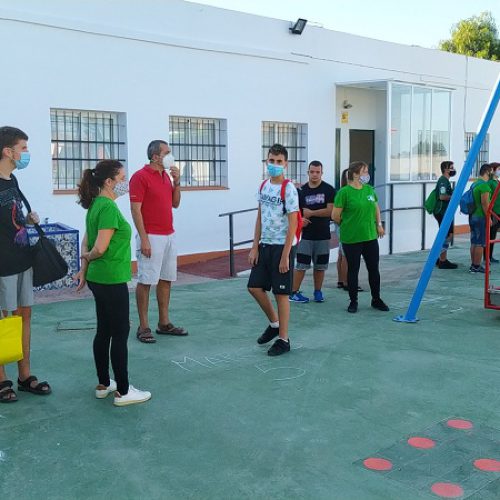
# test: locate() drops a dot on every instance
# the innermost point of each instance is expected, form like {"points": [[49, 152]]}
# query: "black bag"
{"points": [[48, 264]]}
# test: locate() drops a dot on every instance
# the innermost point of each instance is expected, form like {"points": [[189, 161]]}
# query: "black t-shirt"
{"points": [[316, 199], [15, 253]]}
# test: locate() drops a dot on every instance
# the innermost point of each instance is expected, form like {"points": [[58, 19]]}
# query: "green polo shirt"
{"points": [[359, 213], [493, 185], [114, 266], [480, 188]]}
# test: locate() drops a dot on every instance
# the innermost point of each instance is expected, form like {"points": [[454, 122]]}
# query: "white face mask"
{"points": [[121, 188], [168, 160], [497, 172]]}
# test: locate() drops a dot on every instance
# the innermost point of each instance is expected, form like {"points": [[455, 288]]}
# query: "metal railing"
{"points": [[232, 243], [390, 210]]}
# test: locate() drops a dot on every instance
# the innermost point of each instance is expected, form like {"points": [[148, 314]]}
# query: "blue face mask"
{"points": [[364, 179], [24, 161], [274, 170]]}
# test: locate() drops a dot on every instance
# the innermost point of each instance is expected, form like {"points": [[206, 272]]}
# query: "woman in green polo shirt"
{"points": [[106, 270], [357, 213]]}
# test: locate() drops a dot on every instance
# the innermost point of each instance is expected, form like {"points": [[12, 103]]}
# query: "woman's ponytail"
{"points": [[93, 180]]}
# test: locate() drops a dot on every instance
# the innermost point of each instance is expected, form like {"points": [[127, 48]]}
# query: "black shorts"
{"points": [[439, 218], [266, 273]]}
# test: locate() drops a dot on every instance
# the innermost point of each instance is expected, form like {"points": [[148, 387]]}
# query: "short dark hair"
{"points": [[446, 164], [316, 163], [9, 137], [485, 167], [278, 149], [154, 148]]}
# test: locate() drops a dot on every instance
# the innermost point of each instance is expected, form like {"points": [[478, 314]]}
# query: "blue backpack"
{"points": [[467, 203]]}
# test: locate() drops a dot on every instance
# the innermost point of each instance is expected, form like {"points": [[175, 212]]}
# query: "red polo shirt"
{"points": [[154, 190]]}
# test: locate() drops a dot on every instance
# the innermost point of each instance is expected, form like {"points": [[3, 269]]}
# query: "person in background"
{"points": [[106, 268], [357, 213], [495, 223], [316, 201], [16, 273], [341, 260], [444, 192], [477, 222]]}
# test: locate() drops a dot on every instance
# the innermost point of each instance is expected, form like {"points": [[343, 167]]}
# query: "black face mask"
{"points": [[453, 173]]}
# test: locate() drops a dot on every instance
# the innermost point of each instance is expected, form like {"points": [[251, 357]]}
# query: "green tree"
{"points": [[476, 36]]}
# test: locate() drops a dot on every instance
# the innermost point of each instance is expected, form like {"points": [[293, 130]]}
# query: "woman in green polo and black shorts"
{"points": [[357, 213]]}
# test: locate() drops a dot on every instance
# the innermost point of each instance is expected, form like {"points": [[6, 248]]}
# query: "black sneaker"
{"points": [[380, 305], [353, 307], [446, 264], [268, 335], [279, 347]]}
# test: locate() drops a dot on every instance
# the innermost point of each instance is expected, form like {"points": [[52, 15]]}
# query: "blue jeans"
{"points": [[477, 230]]}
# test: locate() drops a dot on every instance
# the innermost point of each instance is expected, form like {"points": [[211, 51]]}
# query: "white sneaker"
{"points": [[103, 393], [133, 396]]}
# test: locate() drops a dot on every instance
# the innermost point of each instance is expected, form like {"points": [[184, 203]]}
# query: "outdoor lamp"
{"points": [[298, 27]]}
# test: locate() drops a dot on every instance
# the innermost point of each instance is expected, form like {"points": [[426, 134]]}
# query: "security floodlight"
{"points": [[298, 27]]}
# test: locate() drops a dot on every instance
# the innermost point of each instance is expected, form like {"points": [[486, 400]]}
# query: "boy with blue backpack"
{"points": [[481, 193]]}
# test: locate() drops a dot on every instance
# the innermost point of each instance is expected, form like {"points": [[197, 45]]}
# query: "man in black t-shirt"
{"points": [[316, 201], [16, 273]]}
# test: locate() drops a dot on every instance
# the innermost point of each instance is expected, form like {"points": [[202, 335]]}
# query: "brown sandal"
{"points": [[145, 336], [170, 329]]}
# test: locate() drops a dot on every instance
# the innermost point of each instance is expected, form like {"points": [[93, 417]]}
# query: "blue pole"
{"points": [[411, 313]]}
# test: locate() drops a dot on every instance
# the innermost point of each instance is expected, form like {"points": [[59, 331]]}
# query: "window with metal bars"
{"points": [[294, 137], [484, 152], [80, 139], [199, 146]]}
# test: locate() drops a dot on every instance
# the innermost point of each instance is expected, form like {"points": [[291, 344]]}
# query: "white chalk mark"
{"points": [[301, 371], [186, 360], [456, 310], [219, 358]]}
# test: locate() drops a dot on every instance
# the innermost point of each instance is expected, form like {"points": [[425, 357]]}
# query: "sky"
{"points": [[420, 22]]}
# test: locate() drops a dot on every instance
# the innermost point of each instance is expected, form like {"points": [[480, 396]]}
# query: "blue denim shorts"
{"points": [[478, 230]]}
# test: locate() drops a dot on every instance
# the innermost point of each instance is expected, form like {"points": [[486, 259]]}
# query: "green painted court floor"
{"points": [[228, 422]]}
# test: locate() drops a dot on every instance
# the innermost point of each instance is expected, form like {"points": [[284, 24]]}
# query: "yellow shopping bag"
{"points": [[11, 347]]}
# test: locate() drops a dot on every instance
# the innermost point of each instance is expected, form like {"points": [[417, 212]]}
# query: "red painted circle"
{"points": [[487, 465], [377, 464], [420, 442], [460, 424], [447, 490]]}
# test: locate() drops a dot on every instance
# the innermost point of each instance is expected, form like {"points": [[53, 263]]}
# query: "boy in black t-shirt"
{"points": [[316, 201], [16, 273]]}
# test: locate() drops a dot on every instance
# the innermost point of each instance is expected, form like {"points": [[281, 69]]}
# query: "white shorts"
{"points": [[16, 290], [162, 265]]}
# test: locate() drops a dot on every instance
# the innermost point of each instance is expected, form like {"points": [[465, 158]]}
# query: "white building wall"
{"points": [[152, 60]]}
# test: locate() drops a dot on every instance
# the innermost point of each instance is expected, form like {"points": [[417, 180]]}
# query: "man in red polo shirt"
{"points": [[152, 196]]}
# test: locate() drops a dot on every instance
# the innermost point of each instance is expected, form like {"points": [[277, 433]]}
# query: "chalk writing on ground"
{"points": [[234, 359]]}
